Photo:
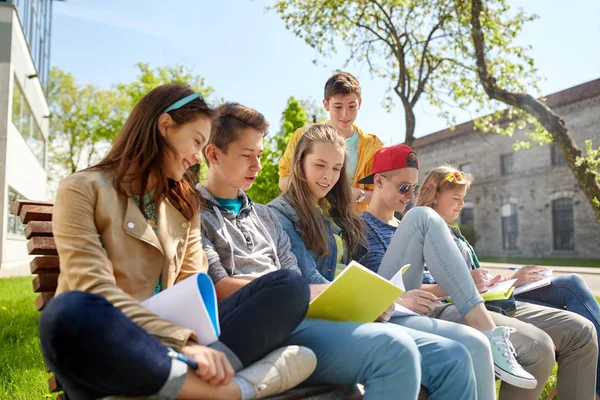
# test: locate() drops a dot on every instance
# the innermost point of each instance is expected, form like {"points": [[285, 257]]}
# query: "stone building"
{"points": [[524, 203]]}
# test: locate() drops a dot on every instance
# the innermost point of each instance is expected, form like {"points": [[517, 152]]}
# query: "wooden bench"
{"points": [[37, 217]]}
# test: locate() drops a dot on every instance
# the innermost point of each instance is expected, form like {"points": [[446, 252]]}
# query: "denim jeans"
{"points": [[260, 316], [423, 237], [96, 351], [477, 344], [389, 360], [568, 292]]}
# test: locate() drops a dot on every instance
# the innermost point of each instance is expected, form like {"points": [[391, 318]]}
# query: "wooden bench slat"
{"points": [[45, 283], [44, 265], [54, 384], [60, 397], [42, 246], [38, 228], [35, 213], [43, 299], [17, 205]]}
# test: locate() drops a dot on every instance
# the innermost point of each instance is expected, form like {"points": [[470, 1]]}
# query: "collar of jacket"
{"points": [[172, 226]]}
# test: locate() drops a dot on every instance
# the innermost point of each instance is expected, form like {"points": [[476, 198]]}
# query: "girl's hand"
{"points": [[528, 273], [213, 366], [387, 314], [418, 301]]}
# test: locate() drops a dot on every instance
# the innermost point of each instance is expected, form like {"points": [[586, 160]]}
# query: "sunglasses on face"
{"points": [[455, 177], [405, 187]]}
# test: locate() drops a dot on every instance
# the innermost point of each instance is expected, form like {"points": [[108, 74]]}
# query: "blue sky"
{"points": [[248, 56]]}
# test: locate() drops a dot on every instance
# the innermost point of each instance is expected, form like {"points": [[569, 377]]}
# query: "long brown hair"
{"points": [[338, 201], [431, 184], [138, 153]]}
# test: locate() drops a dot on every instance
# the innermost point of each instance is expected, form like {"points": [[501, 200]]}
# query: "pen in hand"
{"points": [[191, 363]]}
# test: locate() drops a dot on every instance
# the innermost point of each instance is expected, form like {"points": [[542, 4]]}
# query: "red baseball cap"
{"points": [[389, 159]]}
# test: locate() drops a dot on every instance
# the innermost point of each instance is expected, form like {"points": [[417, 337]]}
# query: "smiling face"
{"points": [[187, 141], [322, 168], [343, 110], [450, 202], [238, 166], [388, 189]]}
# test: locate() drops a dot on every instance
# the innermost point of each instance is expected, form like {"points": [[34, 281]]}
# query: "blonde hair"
{"points": [[431, 185], [338, 200]]}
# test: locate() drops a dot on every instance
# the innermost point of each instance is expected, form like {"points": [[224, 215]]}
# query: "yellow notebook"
{"points": [[356, 295], [500, 291]]}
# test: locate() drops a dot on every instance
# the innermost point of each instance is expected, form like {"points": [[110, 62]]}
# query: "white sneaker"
{"points": [[506, 366], [280, 370]]}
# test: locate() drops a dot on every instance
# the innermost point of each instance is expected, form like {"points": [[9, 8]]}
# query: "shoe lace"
{"points": [[506, 347]]}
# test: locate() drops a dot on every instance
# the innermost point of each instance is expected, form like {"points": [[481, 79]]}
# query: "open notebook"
{"points": [[356, 295], [537, 284], [192, 304]]}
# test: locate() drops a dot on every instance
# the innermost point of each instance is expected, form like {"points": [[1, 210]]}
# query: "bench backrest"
{"points": [[37, 217]]}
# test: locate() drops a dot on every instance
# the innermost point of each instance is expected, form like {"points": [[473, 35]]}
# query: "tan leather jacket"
{"points": [[107, 247]]}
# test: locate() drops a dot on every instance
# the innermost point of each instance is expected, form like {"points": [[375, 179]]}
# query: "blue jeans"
{"points": [[423, 237], [568, 292], [96, 351], [477, 344], [389, 360]]}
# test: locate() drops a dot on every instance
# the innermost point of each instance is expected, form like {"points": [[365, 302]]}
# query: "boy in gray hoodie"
{"points": [[245, 244]]}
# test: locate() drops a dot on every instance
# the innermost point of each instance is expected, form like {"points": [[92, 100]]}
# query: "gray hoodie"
{"points": [[249, 244]]}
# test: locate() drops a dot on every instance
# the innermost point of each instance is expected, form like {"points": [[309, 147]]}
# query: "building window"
{"points": [[24, 121], [466, 168], [506, 164], [556, 156], [510, 227], [563, 227], [14, 226], [467, 216]]}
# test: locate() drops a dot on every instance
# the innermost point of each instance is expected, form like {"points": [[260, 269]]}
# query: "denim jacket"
{"points": [[315, 268]]}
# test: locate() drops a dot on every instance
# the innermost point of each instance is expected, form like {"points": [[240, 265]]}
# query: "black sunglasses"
{"points": [[405, 187]]}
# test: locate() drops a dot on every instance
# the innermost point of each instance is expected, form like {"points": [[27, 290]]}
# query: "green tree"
{"points": [[584, 168], [266, 186], [83, 120], [420, 46]]}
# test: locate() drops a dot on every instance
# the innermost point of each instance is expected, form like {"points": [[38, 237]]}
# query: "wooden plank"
{"points": [[38, 228], [35, 213], [320, 392], [45, 283], [44, 265], [42, 246], [17, 205], [54, 385], [61, 397], [42, 300]]}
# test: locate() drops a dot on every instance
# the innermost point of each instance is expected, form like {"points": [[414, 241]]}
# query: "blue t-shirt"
{"points": [[379, 236], [352, 150], [233, 205]]}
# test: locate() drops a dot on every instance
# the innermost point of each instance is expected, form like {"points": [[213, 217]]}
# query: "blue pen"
{"points": [[513, 269], [191, 363]]}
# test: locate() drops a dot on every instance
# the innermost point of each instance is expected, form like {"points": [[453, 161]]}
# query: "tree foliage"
{"points": [[266, 186], [423, 48], [85, 119], [584, 168]]}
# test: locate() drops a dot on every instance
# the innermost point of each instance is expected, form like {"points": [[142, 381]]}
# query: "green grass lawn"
{"points": [[543, 261], [22, 374]]}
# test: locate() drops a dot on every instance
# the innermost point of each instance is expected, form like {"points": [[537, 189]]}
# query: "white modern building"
{"points": [[25, 27]]}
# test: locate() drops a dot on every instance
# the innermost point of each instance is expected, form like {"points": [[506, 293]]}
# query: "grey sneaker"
{"points": [[280, 370], [506, 366]]}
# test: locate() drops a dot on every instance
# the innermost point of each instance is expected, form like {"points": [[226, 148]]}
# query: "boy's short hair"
{"points": [[230, 119], [341, 83]]}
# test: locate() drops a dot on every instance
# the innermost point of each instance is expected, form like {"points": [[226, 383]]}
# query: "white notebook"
{"points": [[191, 303], [537, 284]]}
